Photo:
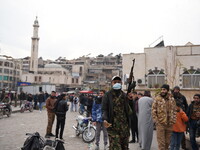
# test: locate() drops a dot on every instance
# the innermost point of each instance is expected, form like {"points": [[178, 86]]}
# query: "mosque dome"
{"points": [[52, 66]]}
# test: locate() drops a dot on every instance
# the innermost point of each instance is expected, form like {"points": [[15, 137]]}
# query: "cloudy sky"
{"points": [[73, 28]]}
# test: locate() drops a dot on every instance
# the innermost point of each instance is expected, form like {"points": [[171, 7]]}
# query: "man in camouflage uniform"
{"points": [[164, 115], [116, 112]]}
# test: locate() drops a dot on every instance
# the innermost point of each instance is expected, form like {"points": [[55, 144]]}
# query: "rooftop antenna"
{"points": [[160, 38]]}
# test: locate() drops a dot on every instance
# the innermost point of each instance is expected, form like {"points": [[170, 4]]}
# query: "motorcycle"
{"points": [[27, 106], [4, 110], [84, 126]]}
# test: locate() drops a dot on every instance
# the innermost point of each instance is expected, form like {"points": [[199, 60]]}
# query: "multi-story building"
{"points": [[101, 70], [175, 65], [10, 72]]}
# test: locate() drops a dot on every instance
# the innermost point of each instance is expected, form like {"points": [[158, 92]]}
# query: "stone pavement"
{"points": [[14, 128]]}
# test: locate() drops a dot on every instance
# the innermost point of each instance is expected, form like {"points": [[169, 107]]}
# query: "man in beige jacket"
{"points": [[164, 115]]}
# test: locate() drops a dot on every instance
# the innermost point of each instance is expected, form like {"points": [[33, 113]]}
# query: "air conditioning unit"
{"points": [[141, 82]]}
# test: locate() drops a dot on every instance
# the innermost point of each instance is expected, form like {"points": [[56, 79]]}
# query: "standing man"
{"points": [[97, 120], [184, 106], [51, 115], [145, 121], [22, 97], [10, 94], [193, 114], [61, 110], [133, 117], [3, 92], [75, 102], [164, 114], [116, 113], [41, 100]]}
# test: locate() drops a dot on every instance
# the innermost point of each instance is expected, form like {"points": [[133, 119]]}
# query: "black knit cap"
{"points": [[165, 86]]}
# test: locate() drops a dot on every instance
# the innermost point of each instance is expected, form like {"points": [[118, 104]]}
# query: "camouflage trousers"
{"points": [[118, 141], [163, 136], [51, 117]]}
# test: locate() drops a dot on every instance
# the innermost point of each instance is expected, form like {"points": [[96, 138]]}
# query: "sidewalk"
{"points": [[15, 109]]}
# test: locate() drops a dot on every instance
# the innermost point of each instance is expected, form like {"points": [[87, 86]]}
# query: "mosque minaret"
{"points": [[34, 48]]}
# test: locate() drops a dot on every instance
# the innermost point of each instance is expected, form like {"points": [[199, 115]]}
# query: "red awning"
{"points": [[87, 92]]}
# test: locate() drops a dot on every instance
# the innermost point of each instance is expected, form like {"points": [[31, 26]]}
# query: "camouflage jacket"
{"points": [[164, 110]]}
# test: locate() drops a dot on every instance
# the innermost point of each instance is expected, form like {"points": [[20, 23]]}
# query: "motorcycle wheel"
{"points": [[1, 113], [9, 113], [88, 135], [31, 109], [80, 111], [77, 131], [22, 110]]}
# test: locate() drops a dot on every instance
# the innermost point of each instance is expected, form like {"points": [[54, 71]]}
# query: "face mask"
{"points": [[117, 86]]}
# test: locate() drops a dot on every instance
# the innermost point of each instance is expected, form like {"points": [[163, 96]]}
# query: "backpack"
{"points": [[33, 142]]}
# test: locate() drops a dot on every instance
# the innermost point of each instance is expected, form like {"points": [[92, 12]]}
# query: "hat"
{"points": [[116, 78], [165, 86], [177, 87]]}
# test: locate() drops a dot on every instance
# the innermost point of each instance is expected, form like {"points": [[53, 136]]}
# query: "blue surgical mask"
{"points": [[117, 86]]}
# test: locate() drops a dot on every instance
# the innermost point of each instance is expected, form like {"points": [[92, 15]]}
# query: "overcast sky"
{"points": [[73, 28]]}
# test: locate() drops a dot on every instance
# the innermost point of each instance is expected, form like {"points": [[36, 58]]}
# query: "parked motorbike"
{"points": [[27, 106], [4, 110], [85, 127]]}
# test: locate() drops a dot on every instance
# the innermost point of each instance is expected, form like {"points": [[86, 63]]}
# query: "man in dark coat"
{"points": [[184, 105], [116, 113], [61, 109], [133, 117]]}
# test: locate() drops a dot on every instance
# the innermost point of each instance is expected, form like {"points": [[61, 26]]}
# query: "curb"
{"points": [[15, 111]]}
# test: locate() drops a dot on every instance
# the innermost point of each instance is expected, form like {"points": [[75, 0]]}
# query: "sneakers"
{"points": [[97, 147], [49, 135], [132, 141]]}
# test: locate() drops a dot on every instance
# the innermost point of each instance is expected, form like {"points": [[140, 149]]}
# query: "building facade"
{"points": [[10, 72], [174, 65]]}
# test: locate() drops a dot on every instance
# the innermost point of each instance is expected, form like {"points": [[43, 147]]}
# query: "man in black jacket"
{"points": [[184, 105], [61, 109], [116, 112]]}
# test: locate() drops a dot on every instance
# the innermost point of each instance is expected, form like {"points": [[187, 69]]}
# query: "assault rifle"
{"points": [[131, 81]]}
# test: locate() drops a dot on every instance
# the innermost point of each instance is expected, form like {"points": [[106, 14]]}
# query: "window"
{"points": [[76, 80], [1, 77], [1, 63], [6, 71], [1, 70], [155, 78], [6, 64], [35, 78], [5, 78], [72, 80], [191, 78], [81, 71], [40, 78], [11, 71]]}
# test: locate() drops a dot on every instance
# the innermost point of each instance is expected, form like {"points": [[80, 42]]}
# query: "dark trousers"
{"points": [[134, 128], [192, 131], [60, 125]]}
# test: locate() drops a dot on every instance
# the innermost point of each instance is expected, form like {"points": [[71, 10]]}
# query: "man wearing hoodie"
{"points": [[97, 120]]}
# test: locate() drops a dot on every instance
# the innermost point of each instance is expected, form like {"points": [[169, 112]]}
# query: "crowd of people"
{"points": [[125, 118]]}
